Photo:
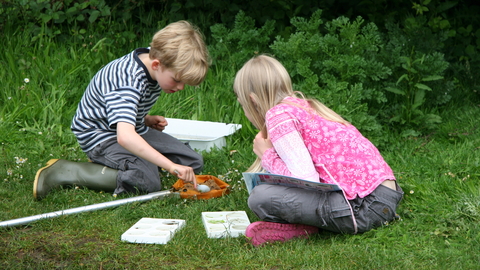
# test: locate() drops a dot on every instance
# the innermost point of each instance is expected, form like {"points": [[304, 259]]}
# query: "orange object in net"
{"points": [[217, 187]]}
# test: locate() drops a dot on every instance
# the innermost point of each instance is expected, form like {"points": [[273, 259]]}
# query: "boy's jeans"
{"points": [[137, 174]]}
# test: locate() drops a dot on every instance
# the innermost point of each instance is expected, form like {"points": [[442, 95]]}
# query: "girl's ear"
{"points": [[252, 98]]}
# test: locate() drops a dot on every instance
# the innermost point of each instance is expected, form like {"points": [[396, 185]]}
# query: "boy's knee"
{"points": [[141, 176], [197, 165]]}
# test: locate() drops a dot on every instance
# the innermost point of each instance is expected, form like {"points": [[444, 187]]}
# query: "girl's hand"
{"points": [[156, 122], [260, 144], [185, 173]]}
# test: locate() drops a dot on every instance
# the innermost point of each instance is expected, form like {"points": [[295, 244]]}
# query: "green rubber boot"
{"points": [[59, 172]]}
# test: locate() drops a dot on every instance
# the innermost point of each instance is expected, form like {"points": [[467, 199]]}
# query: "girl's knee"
{"points": [[258, 197]]}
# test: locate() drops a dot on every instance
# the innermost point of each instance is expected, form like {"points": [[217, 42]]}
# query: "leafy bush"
{"points": [[341, 68], [46, 17], [235, 46], [451, 28], [352, 67], [396, 75], [418, 86]]}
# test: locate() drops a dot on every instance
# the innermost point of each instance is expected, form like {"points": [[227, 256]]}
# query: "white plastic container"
{"points": [[201, 135], [153, 231], [225, 223]]}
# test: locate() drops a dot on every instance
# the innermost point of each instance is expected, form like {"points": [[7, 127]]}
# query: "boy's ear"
{"points": [[156, 64]]}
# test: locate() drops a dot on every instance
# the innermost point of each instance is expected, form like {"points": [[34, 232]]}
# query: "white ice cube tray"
{"points": [[153, 230], [225, 223]]}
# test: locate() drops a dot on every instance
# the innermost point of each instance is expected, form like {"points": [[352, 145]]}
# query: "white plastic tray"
{"points": [[201, 135], [153, 230], [225, 223]]}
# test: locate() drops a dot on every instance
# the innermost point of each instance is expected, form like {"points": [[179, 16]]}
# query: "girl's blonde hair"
{"points": [[180, 47], [262, 83]]}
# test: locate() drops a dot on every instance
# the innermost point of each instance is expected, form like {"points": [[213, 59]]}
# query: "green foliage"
{"points": [[418, 69], [453, 29], [240, 43], [206, 13], [353, 68], [341, 68], [43, 85], [348, 64], [46, 17], [412, 87]]}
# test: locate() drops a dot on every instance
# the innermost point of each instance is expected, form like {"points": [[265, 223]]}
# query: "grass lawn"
{"points": [[439, 226]]}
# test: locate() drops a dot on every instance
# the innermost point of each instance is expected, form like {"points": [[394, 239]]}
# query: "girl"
{"points": [[303, 138]]}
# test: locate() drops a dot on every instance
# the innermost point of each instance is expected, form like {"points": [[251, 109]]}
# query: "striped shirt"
{"points": [[122, 91]]}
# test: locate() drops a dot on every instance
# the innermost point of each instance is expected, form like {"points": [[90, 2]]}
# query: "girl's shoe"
{"points": [[261, 232]]}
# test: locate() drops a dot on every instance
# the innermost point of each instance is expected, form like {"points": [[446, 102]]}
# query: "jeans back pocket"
{"points": [[379, 214]]}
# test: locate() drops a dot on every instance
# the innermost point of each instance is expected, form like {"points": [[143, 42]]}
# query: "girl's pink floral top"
{"points": [[303, 141]]}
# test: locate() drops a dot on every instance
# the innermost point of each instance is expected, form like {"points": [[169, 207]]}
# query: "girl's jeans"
{"points": [[326, 210]]}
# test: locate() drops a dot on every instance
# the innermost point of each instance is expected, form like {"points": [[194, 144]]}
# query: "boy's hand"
{"points": [[156, 122], [185, 173], [130, 140]]}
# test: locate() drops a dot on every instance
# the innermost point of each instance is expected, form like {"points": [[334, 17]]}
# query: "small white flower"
{"points": [[26, 80], [20, 160], [9, 97], [40, 133]]}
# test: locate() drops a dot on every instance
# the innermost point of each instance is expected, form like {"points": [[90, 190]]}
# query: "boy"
{"points": [[114, 129]]}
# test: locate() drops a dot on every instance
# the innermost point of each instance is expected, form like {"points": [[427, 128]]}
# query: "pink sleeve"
{"points": [[289, 156]]}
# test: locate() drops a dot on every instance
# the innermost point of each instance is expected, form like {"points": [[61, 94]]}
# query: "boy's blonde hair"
{"points": [[180, 47], [262, 83]]}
